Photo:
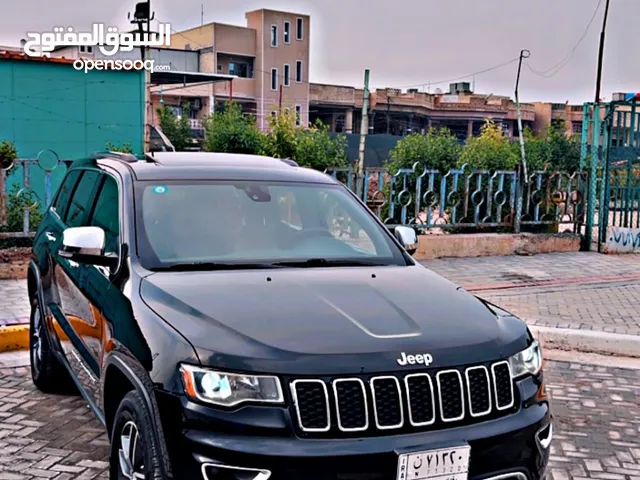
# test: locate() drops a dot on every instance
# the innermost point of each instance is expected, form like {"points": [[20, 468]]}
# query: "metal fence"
{"points": [[26, 189], [472, 199], [463, 199]]}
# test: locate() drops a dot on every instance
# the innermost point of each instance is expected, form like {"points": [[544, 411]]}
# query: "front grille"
{"points": [[386, 404]]}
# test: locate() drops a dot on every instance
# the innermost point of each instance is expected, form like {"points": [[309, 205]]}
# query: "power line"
{"points": [[565, 61], [495, 67]]}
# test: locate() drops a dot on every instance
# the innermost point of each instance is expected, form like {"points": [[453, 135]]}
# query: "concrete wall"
{"points": [[622, 240], [47, 105]]}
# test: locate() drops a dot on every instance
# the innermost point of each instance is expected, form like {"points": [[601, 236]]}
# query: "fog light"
{"points": [[212, 471]]}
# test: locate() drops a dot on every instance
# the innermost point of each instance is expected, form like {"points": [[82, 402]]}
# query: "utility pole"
{"points": [[364, 127], [523, 54], [524, 177], [601, 52], [142, 15]]}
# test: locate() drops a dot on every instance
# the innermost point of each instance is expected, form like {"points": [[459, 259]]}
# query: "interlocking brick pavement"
{"points": [[596, 410], [47, 436], [516, 269], [604, 307], [14, 302], [597, 420]]}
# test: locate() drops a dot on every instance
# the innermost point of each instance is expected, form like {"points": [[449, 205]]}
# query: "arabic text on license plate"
{"points": [[443, 464]]}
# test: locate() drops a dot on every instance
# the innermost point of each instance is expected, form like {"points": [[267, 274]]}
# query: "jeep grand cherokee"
{"points": [[240, 317]]}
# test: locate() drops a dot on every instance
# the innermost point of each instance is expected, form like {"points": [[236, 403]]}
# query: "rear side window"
{"points": [[66, 190], [105, 214], [80, 206]]}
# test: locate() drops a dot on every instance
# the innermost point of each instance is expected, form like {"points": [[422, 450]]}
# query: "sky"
{"points": [[409, 43]]}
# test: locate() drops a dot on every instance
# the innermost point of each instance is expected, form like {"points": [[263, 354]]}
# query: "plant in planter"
{"points": [[8, 154]]}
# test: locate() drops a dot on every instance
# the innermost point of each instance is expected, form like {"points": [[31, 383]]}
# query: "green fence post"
{"points": [[605, 190], [593, 174], [584, 139]]}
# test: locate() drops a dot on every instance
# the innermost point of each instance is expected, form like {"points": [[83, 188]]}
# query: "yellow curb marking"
{"points": [[14, 337]]}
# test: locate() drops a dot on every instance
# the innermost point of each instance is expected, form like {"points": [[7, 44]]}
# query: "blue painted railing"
{"points": [[471, 198]]}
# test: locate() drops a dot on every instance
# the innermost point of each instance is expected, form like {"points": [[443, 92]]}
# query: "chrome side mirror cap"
{"points": [[407, 237], [86, 245]]}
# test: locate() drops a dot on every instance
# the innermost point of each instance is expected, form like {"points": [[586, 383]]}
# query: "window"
{"points": [[256, 222], [298, 115], [239, 69], [286, 73], [576, 127], [299, 71], [86, 49], [82, 199], [106, 214], [64, 194], [286, 32], [274, 79], [274, 35], [299, 29]]}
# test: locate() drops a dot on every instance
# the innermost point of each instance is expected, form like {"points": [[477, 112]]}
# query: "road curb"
{"points": [[588, 341], [14, 337]]}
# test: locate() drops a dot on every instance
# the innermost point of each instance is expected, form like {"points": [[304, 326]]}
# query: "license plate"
{"points": [[443, 464]]}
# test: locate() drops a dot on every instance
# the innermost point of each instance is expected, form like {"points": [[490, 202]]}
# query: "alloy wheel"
{"points": [[131, 456], [36, 346]]}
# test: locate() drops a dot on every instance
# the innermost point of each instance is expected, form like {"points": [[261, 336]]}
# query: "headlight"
{"points": [[230, 389], [527, 362]]}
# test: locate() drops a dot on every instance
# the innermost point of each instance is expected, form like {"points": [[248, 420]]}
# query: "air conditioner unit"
{"points": [[412, 90]]}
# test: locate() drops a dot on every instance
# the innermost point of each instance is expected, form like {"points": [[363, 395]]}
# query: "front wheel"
{"points": [[135, 452]]}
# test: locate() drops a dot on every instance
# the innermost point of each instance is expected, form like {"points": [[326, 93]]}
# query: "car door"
{"points": [[72, 311]]}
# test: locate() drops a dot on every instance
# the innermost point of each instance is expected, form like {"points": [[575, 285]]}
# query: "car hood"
{"points": [[330, 320]]}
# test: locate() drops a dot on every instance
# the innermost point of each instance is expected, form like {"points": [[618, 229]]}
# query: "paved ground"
{"points": [[586, 291], [14, 305], [597, 413]]}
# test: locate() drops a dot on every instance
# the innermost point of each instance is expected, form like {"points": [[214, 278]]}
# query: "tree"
{"points": [[437, 149], [281, 140], [316, 149], [309, 147], [177, 130], [564, 149], [230, 131], [124, 148], [492, 150]]}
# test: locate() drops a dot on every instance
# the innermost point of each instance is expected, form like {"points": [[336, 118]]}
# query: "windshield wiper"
{"points": [[210, 266], [324, 262]]}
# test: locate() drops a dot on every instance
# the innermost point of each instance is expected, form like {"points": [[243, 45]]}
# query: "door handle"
{"points": [[50, 236]]}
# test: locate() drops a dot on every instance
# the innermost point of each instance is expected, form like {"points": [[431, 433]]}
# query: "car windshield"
{"points": [[218, 225]]}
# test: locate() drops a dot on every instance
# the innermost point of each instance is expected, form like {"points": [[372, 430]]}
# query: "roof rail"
{"points": [[288, 161], [125, 157]]}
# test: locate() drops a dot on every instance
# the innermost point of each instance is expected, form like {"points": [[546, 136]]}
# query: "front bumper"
{"points": [[515, 444]]}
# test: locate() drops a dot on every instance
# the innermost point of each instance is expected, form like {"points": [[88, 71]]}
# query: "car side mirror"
{"points": [[86, 245], [407, 237]]}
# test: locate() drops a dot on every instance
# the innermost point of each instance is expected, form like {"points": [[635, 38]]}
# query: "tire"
{"points": [[47, 373], [141, 459]]}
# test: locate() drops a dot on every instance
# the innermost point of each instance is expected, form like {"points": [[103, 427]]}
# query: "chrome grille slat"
{"points": [[432, 418], [436, 398], [453, 394], [340, 409], [296, 403], [468, 372], [377, 407], [494, 367]]}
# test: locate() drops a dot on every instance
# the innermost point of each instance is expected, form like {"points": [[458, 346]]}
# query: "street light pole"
{"points": [[523, 54], [601, 52]]}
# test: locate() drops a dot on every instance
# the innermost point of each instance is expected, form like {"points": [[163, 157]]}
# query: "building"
{"points": [[49, 109], [269, 58], [397, 112]]}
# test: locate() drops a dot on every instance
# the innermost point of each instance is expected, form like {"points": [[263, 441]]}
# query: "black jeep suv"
{"points": [[240, 317]]}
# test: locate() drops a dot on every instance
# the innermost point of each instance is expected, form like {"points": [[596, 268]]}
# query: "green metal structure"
{"points": [[611, 152]]}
